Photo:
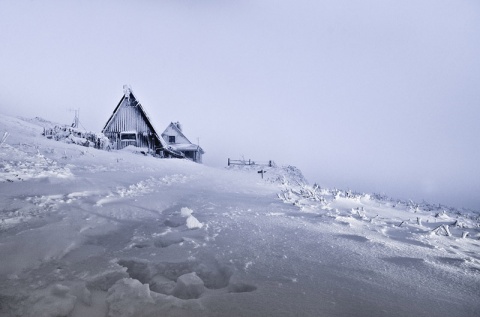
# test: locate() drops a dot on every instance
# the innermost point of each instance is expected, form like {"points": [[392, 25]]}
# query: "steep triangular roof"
{"points": [[175, 127], [179, 131], [128, 94]]}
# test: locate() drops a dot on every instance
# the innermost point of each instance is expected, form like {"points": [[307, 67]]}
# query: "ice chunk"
{"points": [[82, 293], [185, 211], [128, 297], [161, 284], [60, 290], [105, 280], [193, 223], [189, 286]]}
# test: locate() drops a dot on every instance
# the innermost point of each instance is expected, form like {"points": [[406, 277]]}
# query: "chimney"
{"points": [[127, 90], [179, 126]]}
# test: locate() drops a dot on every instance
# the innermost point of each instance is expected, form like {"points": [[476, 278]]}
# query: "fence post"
{"points": [[228, 161], [270, 163]]}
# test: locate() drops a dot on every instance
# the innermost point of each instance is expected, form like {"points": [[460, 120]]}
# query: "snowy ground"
{"points": [[85, 232]]}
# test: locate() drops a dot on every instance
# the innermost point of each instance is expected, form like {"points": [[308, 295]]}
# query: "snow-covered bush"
{"points": [[275, 174], [77, 136]]}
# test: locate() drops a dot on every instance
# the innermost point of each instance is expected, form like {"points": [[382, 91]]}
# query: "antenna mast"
{"points": [[76, 118]]}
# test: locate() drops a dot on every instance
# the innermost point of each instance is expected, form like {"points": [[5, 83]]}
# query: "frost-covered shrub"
{"points": [[76, 136]]}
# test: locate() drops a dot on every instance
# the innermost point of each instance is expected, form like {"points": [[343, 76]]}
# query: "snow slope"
{"points": [[85, 232]]}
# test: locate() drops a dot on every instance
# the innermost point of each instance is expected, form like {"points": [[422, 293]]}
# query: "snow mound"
{"points": [[287, 174], [51, 302], [275, 174], [130, 298], [403, 221], [192, 222], [135, 150], [185, 212], [19, 165], [189, 286]]}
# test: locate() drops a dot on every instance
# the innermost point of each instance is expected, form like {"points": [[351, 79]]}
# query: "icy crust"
{"points": [[132, 235], [380, 210], [405, 224], [130, 298], [127, 297], [53, 301], [20, 164]]}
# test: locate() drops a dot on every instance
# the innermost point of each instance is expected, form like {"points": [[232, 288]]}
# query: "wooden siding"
{"points": [[129, 117]]}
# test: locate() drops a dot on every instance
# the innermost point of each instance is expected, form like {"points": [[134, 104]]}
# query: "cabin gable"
{"points": [[172, 135], [129, 125]]}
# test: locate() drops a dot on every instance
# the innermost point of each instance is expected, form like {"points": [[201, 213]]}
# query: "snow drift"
{"points": [[85, 232]]}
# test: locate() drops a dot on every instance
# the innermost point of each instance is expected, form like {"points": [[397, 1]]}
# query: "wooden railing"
{"points": [[250, 162]]}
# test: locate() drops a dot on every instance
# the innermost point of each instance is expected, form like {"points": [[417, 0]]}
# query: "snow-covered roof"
{"points": [[186, 147]]}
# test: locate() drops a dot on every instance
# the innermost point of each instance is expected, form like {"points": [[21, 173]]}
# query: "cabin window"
{"points": [[128, 136], [171, 139]]}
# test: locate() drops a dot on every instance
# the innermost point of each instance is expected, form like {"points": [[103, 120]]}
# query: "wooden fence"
{"points": [[250, 162]]}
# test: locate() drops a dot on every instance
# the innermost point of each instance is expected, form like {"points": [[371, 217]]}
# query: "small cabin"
{"points": [[130, 125], [173, 135]]}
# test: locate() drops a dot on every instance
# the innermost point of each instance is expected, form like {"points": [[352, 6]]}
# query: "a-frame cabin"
{"points": [[130, 125]]}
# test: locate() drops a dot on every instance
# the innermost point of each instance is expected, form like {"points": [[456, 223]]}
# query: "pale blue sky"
{"points": [[375, 96]]}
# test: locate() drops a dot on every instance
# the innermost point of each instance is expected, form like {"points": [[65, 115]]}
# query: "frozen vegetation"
{"points": [[86, 232]]}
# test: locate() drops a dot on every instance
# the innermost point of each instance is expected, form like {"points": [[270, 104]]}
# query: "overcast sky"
{"points": [[375, 96]]}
